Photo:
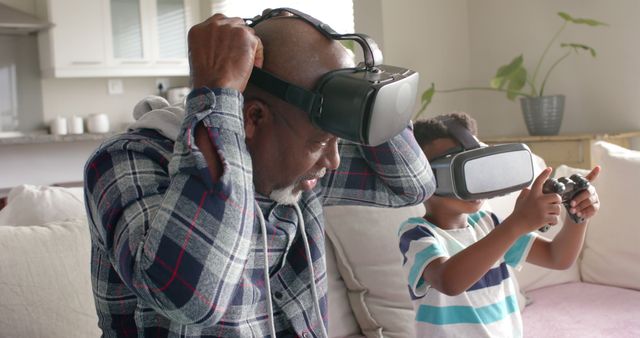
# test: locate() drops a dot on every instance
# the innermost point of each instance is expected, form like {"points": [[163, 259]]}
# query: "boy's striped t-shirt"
{"points": [[489, 308]]}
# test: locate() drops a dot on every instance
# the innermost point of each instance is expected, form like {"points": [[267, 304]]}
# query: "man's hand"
{"points": [[222, 53], [534, 208]]}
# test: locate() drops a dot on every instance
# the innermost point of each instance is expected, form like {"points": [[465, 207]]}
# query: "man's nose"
{"points": [[331, 156]]}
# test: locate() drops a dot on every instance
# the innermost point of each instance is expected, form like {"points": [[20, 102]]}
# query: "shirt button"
{"points": [[277, 294]]}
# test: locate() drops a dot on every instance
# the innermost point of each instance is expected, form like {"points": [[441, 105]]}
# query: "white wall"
{"points": [[431, 37], [601, 92], [43, 163], [82, 97], [461, 43]]}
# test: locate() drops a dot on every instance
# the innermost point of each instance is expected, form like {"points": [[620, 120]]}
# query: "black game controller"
{"points": [[567, 188]]}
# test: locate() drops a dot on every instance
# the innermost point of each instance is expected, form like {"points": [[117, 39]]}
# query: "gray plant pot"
{"points": [[543, 114]]}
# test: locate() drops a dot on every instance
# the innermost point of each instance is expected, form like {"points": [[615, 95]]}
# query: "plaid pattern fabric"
{"points": [[175, 254]]}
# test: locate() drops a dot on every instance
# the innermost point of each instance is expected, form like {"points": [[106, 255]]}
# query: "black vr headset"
{"points": [[474, 171], [368, 104]]}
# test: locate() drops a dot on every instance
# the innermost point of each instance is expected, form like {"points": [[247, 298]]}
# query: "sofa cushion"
{"points": [[611, 246], [582, 310], [370, 263], [46, 286], [33, 204], [342, 322]]}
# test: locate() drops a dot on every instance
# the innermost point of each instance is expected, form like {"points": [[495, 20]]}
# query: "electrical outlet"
{"points": [[162, 85], [115, 87]]}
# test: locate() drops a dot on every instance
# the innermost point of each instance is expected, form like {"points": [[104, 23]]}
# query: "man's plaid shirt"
{"points": [[176, 254]]}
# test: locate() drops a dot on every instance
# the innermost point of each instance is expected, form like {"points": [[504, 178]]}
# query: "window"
{"points": [[126, 29], [171, 29], [336, 13]]}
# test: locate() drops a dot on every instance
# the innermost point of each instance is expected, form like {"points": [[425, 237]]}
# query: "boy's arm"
{"points": [[456, 274], [565, 247]]}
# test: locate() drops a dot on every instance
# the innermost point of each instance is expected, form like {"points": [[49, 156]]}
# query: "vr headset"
{"points": [[368, 104], [474, 171]]}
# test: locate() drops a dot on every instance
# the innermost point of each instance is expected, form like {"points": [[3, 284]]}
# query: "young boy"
{"points": [[456, 255]]}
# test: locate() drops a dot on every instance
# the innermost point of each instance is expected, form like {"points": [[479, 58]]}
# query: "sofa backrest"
{"points": [[611, 254], [45, 278], [45, 265]]}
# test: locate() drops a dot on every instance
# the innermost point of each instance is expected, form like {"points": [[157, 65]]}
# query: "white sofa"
{"points": [[45, 290]]}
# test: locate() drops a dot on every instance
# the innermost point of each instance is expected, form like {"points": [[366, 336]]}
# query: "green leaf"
{"points": [[565, 16], [516, 83], [505, 72], [581, 21], [513, 76], [578, 46], [428, 95], [497, 82]]}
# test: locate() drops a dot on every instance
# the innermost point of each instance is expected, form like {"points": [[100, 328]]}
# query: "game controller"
{"points": [[567, 188]]}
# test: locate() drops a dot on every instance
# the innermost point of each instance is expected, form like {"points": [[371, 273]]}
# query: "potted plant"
{"points": [[542, 113]]}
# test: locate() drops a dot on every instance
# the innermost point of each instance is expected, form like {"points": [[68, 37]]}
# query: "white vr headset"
{"points": [[477, 171]]}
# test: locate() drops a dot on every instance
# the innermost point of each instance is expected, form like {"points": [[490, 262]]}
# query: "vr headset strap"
{"points": [[372, 54], [299, 97], [460, 133]]}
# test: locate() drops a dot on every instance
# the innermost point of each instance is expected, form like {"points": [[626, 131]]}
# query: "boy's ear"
{"points": [[256, 114]]}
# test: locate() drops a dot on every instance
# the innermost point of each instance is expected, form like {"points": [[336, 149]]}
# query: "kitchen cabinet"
{"points": [[115, 38], [76, 43]]}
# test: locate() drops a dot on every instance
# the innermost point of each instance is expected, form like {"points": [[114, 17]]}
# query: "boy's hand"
{"points": [[586, 203], [534, 208]]}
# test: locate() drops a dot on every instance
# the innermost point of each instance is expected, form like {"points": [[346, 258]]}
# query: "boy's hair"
{"points": [[425, 131]]}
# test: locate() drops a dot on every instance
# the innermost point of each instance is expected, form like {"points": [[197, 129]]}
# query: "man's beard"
{"points": [[286, 195]]}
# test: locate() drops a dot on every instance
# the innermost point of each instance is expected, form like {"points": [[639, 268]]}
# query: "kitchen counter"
{"points": [[43, 137]]}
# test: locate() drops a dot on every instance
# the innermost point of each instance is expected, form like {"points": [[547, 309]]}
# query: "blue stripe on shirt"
{"points": [[493, 277], [474, 218], [514, 256], [466, 314], [413, 234]]}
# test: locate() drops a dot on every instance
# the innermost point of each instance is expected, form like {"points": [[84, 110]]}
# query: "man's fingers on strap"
{"points": [[259, 55], [217, 16], [235, 21]]}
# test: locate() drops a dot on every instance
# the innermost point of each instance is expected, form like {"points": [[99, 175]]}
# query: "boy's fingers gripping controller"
{"points": [[567, 188], [551, 186]]}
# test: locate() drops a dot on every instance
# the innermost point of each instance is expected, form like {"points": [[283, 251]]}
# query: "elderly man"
{"points": [[217, 230]]}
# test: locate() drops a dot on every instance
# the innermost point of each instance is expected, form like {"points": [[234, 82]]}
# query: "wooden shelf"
{"points": [[573, 150]]}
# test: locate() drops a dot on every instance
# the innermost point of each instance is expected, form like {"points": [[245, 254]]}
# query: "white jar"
{"points": [[58, 126], [76, 125], [98, 123]]}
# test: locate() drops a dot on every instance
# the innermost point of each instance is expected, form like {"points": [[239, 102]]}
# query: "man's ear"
{"points": [[256, 114]]}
